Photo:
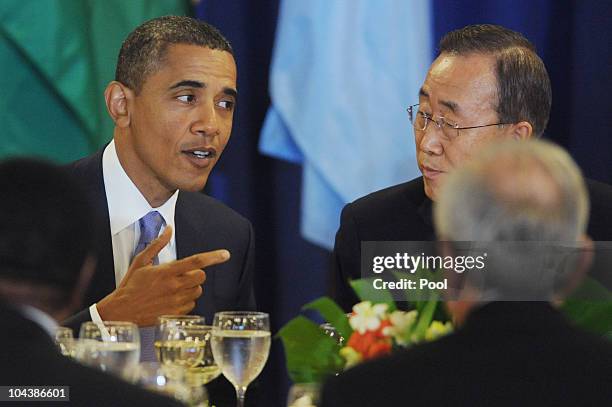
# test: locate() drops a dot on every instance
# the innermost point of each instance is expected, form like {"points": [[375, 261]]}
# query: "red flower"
{"points": [[371, 344]]}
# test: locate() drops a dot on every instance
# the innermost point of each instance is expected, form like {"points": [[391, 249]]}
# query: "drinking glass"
{"points": [[240, 344], [64, 339], [164, 331], [111, 346], [205, 369], [189, 347]]}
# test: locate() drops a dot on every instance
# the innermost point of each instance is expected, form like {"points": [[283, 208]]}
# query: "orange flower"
{"points": [[378, 349], [371, 344]]}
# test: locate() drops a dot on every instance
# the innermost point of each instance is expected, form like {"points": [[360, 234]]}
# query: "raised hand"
{"points": [[148, 291]]}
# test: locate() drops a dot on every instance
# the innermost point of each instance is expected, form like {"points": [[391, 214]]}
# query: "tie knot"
{"points": [[150, 225]]}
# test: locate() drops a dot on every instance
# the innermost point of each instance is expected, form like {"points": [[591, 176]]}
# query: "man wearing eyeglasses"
{"points": [[487, 85]]}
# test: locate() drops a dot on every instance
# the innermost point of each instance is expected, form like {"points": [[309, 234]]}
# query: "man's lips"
{"points": [[430, 173], [200, 157]]}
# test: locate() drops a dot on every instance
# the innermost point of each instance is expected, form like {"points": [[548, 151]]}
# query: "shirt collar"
{"points": [[126, 204]]}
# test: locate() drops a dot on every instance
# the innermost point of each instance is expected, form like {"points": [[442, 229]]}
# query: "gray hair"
{"points": [[530, 195]]}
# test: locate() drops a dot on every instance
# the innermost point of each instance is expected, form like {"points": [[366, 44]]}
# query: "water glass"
{"points": [[111, 346], [240, 345], [164, 329], [64, 339]]}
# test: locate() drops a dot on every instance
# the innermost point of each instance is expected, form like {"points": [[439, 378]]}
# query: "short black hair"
{"points": [[523, 86], [145, 48], [46, 224]]}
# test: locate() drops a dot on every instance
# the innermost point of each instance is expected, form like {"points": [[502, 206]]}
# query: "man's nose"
{"points": [[206, 123], [431, 140]]}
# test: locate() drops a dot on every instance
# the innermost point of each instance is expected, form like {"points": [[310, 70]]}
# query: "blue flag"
{"points": [[343, 74]]}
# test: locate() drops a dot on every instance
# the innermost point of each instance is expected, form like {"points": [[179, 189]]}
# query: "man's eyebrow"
{"points": [[231, 92], [200, 85], [188, 84], [454, 107]]}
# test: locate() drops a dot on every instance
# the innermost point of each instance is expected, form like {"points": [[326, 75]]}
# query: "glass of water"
{"points": [[111, 346], [64, 339], [241, 344], [165, 329]]}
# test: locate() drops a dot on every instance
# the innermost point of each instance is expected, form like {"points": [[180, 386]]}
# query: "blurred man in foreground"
{"points": [[502, 353], [486, 86], [46, 246]]}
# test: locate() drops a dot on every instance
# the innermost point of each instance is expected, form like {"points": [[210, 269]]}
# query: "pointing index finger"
{"points": [[198, 261]]}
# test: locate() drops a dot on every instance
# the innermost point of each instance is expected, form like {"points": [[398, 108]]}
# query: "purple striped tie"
{"points": [[150, 225]]}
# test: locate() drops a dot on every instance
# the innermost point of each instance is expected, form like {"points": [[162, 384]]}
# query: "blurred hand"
{"points": [[148, 291]]}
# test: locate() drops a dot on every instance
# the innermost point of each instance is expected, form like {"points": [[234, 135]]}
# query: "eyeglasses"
{"points": [[420, 120]]}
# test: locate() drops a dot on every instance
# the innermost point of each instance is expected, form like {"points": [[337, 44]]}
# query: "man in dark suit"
{"points": [[46, 247], [165, 248], [502, 353], [172, 102], [487, 85]]}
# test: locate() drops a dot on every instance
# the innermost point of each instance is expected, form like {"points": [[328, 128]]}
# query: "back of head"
{"points": [[525, 192], [143, 51], [523, 86], [46, 230]]}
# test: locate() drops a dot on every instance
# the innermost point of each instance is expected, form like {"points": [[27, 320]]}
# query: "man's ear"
{"points": [[521, 131], [116, 96]]}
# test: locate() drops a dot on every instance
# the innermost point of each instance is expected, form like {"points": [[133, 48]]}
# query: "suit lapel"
{"points": [[190, 222]]}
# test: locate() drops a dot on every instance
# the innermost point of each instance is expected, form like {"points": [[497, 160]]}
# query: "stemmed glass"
{"points": [[240, 345], [204, 369], [64, 339], [110, 346], [188, 346], [164, 331]]}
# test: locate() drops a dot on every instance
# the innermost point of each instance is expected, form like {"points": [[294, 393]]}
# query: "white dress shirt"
{"points": [[126, 205]]}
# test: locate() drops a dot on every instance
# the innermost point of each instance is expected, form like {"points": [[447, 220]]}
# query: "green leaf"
{"points": [[592, 316], [332, 314], [365, 290], [591, 290], [311, 355], [426, 316], [590, 307]]}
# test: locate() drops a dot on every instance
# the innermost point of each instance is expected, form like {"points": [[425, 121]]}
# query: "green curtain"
{"points": [[56, 57]]}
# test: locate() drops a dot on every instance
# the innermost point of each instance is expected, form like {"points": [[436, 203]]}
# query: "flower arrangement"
{"points": [[376, 332], [375, 328]]}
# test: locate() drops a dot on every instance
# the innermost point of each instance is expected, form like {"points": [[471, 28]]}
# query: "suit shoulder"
{"points": [[599, 192], [109, 390], [213, 209], [409, 193], [85, 163], [388, 374]]}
